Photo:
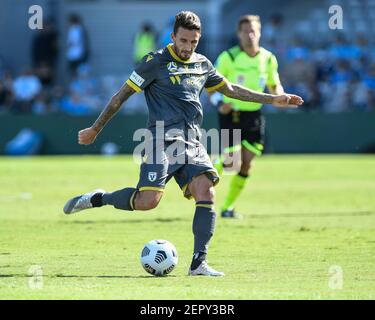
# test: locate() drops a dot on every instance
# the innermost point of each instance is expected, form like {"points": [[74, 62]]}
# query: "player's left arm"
{"points": [[273, 78], [276, 89], [238, 92]]}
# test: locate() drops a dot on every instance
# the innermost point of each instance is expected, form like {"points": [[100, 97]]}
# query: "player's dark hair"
{"points": [[187, 20], [248, 19]]}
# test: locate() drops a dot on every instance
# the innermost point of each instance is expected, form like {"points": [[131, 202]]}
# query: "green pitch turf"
{"points": [[305, 218]]}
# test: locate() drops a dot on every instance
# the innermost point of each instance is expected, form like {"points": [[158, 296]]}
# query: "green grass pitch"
{"points": [[302, 216]]}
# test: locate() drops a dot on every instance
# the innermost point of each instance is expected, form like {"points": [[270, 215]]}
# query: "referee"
{"points": [[255, 68]]}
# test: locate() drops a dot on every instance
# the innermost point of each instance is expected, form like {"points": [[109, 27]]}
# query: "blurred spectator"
{"points": [[82, 98], [342, 72], [6, 96], [300, 78], [26, 88], [45, 74], [144, 42], [369, 82], [165, 37], [77, 43], [2, 67], [362, 44], [41, 105], [359, 95], [274, 34], [272, 26], [298, 50], [341, 49], [45, 52]]}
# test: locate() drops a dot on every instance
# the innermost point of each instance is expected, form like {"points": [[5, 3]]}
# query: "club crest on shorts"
{"points": [[152, 176]]}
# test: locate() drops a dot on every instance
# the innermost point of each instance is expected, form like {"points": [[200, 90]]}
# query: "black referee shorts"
{"points": [[252, 126]]}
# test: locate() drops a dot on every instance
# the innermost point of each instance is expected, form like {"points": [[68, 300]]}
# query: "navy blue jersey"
{"points": [[172, 86]]}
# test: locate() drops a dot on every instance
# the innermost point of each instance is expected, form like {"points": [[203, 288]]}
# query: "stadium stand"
{"points": [[334, 70]]}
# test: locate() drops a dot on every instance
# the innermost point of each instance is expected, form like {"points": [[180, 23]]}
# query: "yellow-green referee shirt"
{"points": [[251, 72]]}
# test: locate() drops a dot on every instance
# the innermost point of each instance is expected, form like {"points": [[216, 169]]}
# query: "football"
{"points": [[159, 257]]}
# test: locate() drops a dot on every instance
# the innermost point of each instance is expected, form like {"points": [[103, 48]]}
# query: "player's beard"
{"points": [[184, 55]]}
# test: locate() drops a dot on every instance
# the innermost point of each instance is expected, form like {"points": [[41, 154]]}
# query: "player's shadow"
{"points": [[85, 276], [108, 277], [129, 221]]}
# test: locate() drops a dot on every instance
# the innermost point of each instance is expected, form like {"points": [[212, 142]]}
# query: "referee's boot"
{"points": [[230, 213]]}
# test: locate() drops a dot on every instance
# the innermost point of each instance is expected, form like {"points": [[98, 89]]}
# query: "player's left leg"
{"points": [[202, 190]]}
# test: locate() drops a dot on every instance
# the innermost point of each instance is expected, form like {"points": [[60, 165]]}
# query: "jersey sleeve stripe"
{"points": [[132, 85], [210, 89]]}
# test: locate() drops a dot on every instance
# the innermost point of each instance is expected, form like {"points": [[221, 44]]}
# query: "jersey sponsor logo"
{"points": [[172, 67], [152, 176], [198, 67], [195, 81], [137, 79]]}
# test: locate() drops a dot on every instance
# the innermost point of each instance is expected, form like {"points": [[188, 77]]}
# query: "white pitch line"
{"points": [[20, 196]]}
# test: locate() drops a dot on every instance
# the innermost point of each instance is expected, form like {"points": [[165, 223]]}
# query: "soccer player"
{"points": [[254, 67], [172, 79]]}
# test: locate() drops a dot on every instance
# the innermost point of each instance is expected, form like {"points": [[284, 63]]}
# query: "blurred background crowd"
{"points": [[333, 73]]}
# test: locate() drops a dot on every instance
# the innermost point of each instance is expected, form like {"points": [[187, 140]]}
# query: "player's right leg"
{"points": [[128, 199], [145, 196], [82, 202]]}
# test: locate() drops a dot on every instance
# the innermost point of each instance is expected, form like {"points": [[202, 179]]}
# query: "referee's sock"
{"points": [[236, 186]]}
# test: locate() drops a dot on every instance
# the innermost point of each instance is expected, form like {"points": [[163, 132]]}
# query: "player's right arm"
{"points": [[88, 135], [143, 75]]}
